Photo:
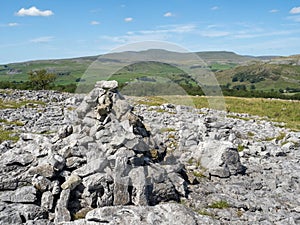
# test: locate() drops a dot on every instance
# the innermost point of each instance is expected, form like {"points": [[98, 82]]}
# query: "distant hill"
{"points": [[232, 70]]}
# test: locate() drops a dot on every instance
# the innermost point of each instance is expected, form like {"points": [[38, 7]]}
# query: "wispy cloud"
{"points": [[211, 33], [295, 18], [215, 8], [13, 24], [168, 14], [128, 19], [94, 22], [176, 28], [242, 35], [44, 39], [10, 25], [33, 11], [162, 33], [295, 10], [274, 11]]}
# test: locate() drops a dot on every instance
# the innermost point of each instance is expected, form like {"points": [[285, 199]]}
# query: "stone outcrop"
{"points": [[95, 159]]}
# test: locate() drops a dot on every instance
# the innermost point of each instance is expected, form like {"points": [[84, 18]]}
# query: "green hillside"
{"points": [[262, 76], [234, 72]]}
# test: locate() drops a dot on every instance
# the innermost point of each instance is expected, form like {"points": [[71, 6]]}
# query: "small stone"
{"points": [[109, 85], [45, 170], [41, 183], [58, 162], [47, 200], [71, 182]]}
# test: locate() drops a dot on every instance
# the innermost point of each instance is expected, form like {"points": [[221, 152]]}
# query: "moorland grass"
{"points": [[286, 111]]}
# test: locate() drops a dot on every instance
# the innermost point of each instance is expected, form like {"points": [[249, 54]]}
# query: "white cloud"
{"points": [[175, 28], [295, 10], [162, 33], [33, 11], [94, 22], [44, 39], [214, 33], [215, 8], [242, 35], [295, 18], [13, 24], [10, 25], [168, 14], [128, 19], [274, 11]]}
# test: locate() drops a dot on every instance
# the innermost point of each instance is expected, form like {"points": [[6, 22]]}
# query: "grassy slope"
{"points": [[284, 111], [77, 66], [224, 64], [275, 76]]}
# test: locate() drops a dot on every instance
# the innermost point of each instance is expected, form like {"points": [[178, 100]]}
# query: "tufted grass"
{"points": [[8, 135], [19, 104], [276, 110]]}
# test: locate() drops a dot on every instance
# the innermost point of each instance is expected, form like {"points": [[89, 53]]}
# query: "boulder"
{"points": [[220, 158]]}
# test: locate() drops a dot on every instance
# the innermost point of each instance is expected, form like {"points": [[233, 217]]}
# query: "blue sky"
{"points": [[44, 29]]}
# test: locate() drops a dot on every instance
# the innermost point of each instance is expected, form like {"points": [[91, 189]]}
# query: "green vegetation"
{"points": [[198, 174], [240, 148], [8, 135], [267, 77], [219, 205], [41, 79], [280, 136], [276, 79], [19, 104], [167, 129], [250, 134], [205, 213], [16, 123], [275, 110]]}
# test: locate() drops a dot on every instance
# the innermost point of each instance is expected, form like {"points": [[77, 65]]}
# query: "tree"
{"points": [[40, 79]]}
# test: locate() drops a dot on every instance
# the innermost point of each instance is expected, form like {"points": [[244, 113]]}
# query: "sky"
{"points": [[54, 29]]}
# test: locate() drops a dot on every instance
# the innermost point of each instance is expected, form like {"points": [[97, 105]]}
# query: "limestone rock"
{"points": [[25, 194], [108, 85], [220, 159], [71, 182]]}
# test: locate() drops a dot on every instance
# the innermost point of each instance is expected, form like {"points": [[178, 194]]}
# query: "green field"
{"points": [[285, 111], [233, 72]]}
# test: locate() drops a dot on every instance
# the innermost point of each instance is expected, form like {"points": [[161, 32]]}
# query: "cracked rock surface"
{"points": [[96, 159]]}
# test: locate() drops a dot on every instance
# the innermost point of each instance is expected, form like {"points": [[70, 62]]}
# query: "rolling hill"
{"points": [[232, 71]]}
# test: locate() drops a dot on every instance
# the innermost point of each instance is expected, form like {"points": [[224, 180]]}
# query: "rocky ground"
{"points": [[96, 160]]}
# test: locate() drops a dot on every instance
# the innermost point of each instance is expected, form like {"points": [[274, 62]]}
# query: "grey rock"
{"points": [[47, 200], [94, 166], [164, 214], [41, 183], [25, 194], [121, 194], [220, 159], [141, 190], [58, 162], [61, 211], [109, 85], [71, 182], [65, 131]]}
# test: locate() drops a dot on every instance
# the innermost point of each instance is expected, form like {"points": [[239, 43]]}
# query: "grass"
{"points": [[19, 104], [285, 111], [8, 135], [167, 129], [205, 213], [240, 148], [219, 205], [279, 137], [16, 122]]}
